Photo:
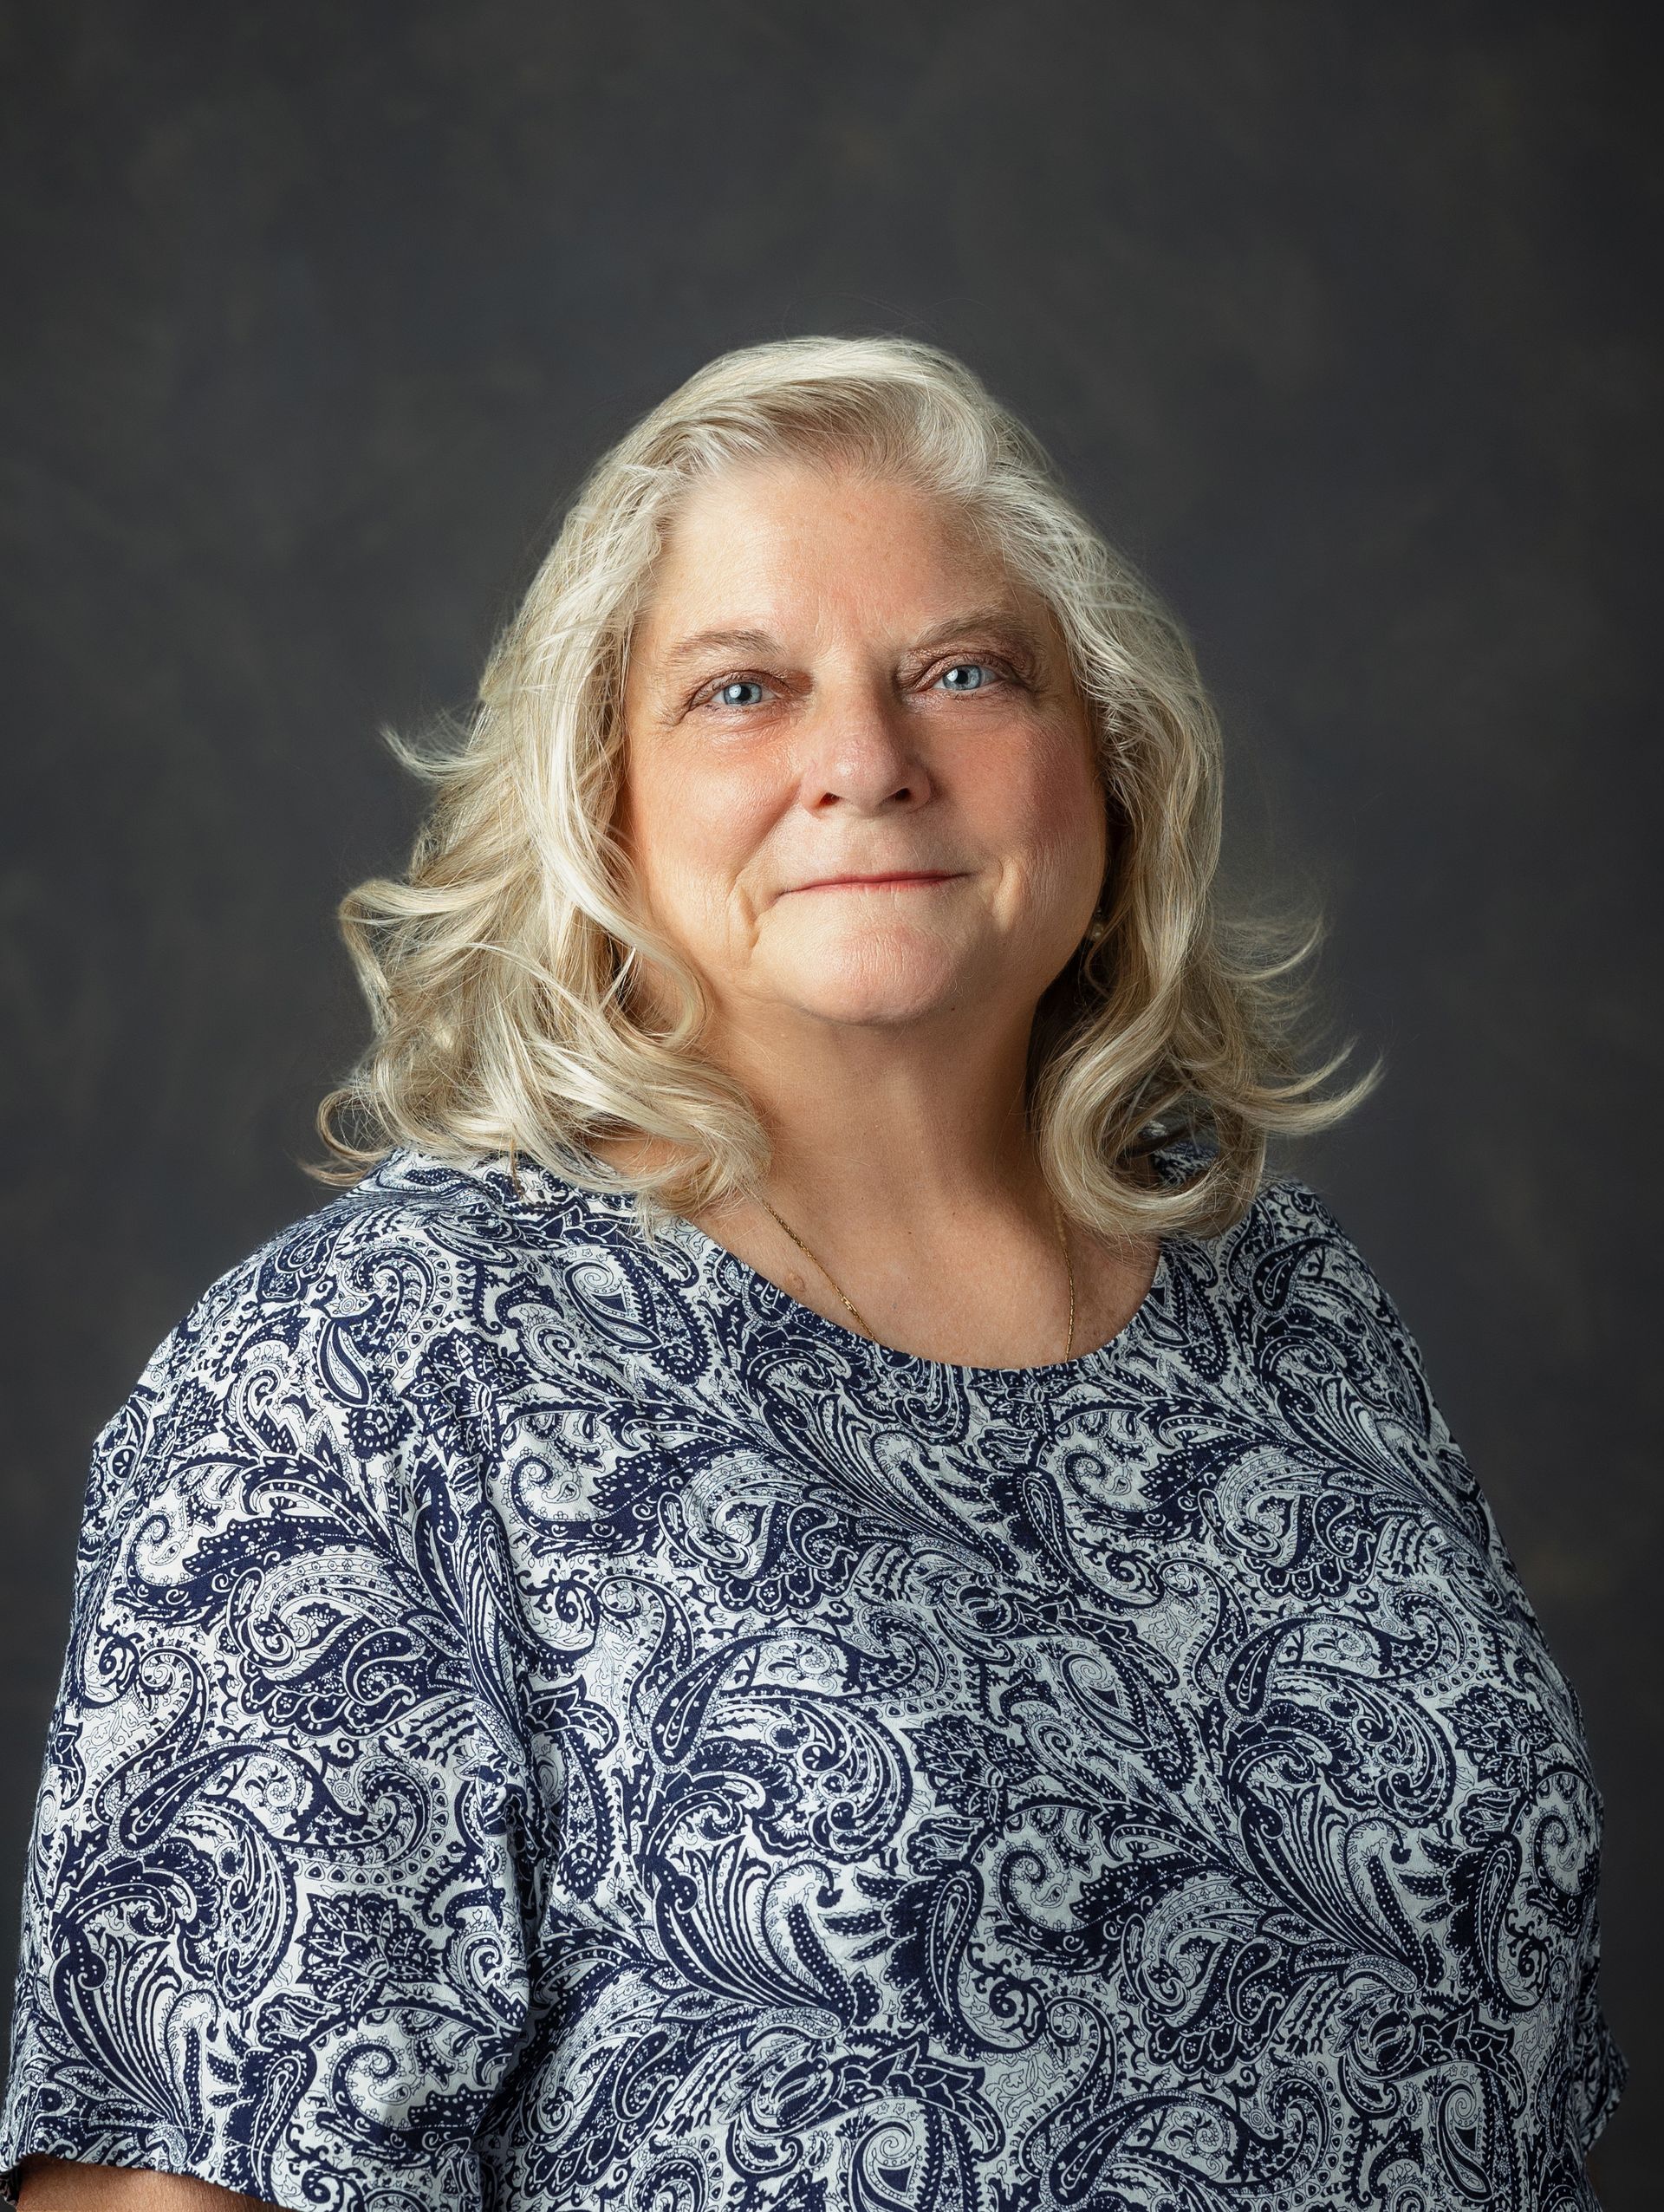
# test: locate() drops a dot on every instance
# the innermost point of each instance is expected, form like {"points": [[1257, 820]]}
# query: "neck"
{"points": [[884, 1134], [910, 1179]]}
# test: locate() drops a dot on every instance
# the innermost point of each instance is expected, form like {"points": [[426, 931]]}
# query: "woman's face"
{"points": [[859, 782]]}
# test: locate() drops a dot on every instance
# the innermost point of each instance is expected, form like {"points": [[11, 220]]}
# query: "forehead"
{"points": [[785, 545]]}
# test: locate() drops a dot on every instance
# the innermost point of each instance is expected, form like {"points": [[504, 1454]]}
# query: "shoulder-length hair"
{"points": [[501, 969]]}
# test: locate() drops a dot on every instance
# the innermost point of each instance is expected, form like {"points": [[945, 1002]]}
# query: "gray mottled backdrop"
{"points": [[1340, 321]]}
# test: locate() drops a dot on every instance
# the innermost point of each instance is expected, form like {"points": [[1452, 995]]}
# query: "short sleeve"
{"points": [[272, 1932]]}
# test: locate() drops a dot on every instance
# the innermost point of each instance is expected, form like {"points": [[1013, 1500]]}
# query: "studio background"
{"points": [[1342, 322]]}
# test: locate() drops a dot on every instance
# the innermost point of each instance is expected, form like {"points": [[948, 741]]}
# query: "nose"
{"points": [[860, 752]]}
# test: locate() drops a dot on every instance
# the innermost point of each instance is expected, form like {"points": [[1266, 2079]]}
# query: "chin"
{"points": [[881, 984]]}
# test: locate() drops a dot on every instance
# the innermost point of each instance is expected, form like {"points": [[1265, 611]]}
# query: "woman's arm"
{"points": [[284, 1827], [47, 2184]]}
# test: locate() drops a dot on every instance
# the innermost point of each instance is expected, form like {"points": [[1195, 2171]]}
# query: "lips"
{"points": [[873, 882]]}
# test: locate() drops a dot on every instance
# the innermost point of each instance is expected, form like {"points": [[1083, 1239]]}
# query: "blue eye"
{"points": [[724, 696], [974, 669]]}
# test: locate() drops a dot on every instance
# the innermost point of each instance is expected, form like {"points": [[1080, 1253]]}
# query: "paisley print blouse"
{"points": [[551, 1722]]}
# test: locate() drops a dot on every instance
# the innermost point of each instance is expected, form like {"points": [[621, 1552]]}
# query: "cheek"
{"points": [[693, 834], [1043, 803]]}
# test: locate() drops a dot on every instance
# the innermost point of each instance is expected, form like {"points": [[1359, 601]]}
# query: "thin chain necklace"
{"points": [[866, 1331]]}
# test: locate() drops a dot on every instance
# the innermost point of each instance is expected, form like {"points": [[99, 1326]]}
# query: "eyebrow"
{"points": [[690, 649], [1002, 621]]}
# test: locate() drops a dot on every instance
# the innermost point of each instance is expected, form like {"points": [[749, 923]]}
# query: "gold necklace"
{"points": [[1062, 1239]]}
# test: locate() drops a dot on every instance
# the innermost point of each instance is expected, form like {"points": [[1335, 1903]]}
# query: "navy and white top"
{"points": [[552, 1722]]}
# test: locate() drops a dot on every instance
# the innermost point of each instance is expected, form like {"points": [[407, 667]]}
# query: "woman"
{"points": [[811, 1590]]}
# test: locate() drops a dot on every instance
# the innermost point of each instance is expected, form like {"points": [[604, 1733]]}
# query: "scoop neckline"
{"points": [[760, 1289], [763, 1294]]}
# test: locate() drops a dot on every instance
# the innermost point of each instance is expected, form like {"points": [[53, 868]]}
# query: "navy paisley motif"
{"points": [[549, 1721]]}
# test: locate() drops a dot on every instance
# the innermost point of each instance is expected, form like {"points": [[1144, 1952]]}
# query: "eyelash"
{"points": [[705, 695]]}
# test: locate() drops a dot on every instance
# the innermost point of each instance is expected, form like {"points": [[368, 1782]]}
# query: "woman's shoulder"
{"points": [[1317, 1291], [357, 1304], [1295, 1219], [359, 1348], [1284, 1209], [1287, 1267], [410, 1207]]}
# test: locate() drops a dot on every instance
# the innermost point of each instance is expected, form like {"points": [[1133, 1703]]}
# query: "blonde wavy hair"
{"points": [[500, 970]]}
